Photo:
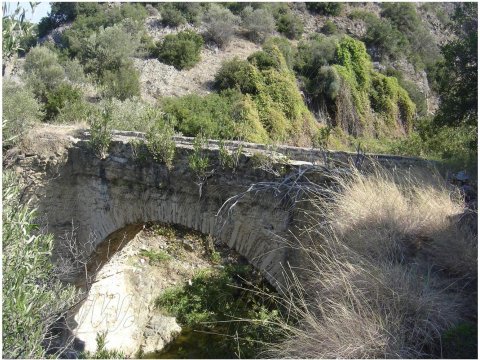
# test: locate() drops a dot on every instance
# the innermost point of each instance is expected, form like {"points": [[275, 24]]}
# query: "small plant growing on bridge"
{"points": [[198, 161], [100, 132], [229, 158], [270, 162], [161, 144], [138, 149]]}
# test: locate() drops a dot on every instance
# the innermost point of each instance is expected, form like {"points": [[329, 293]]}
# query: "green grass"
{"points": [[164, 230], [155, 256]]}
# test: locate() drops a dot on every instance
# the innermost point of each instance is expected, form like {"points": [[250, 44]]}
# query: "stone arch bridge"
{"points": [[100, 197]]}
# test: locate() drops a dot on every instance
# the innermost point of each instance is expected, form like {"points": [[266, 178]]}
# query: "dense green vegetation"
{"points": [[290, 25], [398, 33], [259, 23], [338, 76], [34, 298], [259, 99], [20, 111], [325, 8], [223, 302], [181, 50]]}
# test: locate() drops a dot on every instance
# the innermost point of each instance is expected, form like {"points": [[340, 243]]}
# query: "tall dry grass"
{"points": [[385, 264]]}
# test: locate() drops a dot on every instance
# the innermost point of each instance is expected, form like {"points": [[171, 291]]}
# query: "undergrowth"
{"points": [[386, 268], [222, 302]]}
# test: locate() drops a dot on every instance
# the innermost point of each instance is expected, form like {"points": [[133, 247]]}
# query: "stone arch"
{"points": [[103, 196]]}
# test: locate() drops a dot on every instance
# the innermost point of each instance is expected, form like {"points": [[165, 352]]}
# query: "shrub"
{"points": [[339, 81], [290, 25], [20, 111], [192, 11], [325, 8], [133, 114], [60, 13], [78, 112], [382, 38], [27, 42], [320, 84], [313, 53], [227, 115], [198, 160], [389, 98], [101, 352], [74, 71], [211, 114], [133, 11], [100, 132], [274, 92], [403, 15], [239, 74], [45, 25], [171, 16], [43, 70], [148, 47], [325, 83], [352, 55], [263, 61], [248, 125], [211, 303], [415, 95], [65, 94], [287, 50], [108, 50], [92, 16], [259, 23], [229, 158], [220, 25], [456, 147], [122, 83], [181, 50], [400, 33], [33, 297], [160, 143], [329, 28]]}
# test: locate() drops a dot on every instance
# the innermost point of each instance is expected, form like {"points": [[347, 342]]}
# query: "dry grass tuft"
{"points": [[383, 259]]}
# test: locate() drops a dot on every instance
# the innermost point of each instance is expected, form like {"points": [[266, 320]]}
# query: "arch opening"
{"points": [[138, 281]]}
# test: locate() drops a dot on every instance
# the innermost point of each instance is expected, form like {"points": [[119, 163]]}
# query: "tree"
{"points": [[14, 29], [458, 72]]}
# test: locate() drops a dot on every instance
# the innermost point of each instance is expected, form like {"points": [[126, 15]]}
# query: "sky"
{"points": [[40, 11]]}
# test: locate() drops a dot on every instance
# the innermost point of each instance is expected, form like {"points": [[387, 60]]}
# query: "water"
{"points": [[192, 344]]}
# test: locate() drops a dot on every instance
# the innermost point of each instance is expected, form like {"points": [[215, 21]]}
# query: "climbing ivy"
{"points": [[381, 105]]}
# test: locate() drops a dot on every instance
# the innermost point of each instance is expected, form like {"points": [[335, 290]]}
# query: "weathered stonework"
{"points": [[101, 196]]}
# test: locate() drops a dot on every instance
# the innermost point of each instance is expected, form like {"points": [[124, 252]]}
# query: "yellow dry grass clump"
{"points": [[386, 261]]}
